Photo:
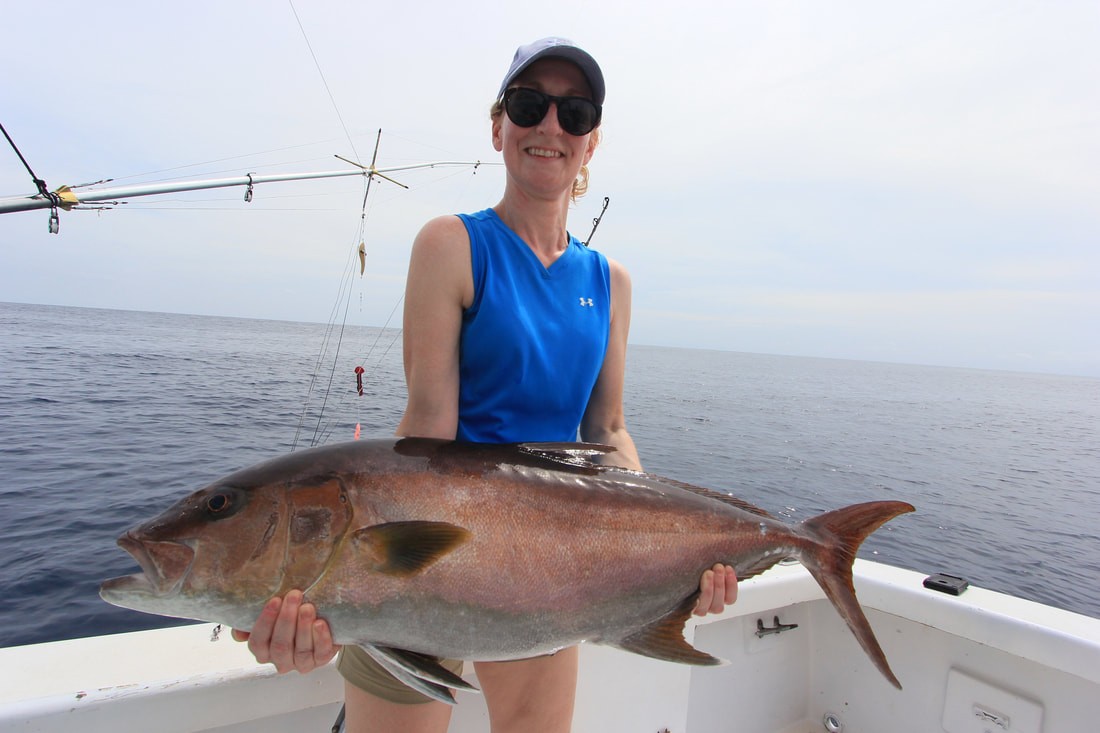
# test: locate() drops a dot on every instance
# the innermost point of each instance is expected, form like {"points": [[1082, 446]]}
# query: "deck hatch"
{"points": [[975, 706]]}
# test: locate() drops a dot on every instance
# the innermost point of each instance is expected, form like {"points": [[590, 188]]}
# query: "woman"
{"points": [[513, 332]]}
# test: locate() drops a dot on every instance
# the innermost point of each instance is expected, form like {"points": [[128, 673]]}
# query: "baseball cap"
{"points": [[562, 48]]}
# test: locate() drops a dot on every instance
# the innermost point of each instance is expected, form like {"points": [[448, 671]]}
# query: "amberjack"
{"points": [[417, 549]]}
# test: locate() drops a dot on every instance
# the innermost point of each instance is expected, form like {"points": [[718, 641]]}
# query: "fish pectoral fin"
{"points": [[406, 548], [420, 672], [664, 639]]}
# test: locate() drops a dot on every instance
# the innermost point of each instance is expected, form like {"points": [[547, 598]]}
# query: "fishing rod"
{"points": [[597, 220]]}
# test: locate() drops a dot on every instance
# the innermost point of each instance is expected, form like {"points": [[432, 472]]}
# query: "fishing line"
{"points": [[325, 345], [234, 200], [38, 182], [332, 371], [346, 281], [401, 298], [322, 431], [359, 250], [344, 296], [321, 434], [43, 191], [254, 168], [139, 207], [324, 81], [382, 332], [398, 136], [215, 160]]}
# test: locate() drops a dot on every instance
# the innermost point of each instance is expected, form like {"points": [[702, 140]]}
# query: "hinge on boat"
{"points": [[762, 631]]}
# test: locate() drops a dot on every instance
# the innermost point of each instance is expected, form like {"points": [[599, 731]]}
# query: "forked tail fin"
{"points": [[838, 535]]}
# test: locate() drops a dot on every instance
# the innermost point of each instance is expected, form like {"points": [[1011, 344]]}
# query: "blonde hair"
{"points": [[580, 185]]}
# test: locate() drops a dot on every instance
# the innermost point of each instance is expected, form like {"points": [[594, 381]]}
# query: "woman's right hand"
{"points": [[289, 635]]}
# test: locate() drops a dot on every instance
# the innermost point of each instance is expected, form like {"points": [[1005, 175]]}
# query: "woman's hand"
{"points": [[717, 589], [289, 635]]}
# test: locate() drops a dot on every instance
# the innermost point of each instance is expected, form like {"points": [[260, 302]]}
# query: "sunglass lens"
{"points": [[526, 107], [577, 116]]}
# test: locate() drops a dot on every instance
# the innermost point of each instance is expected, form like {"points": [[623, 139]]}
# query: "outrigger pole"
{"points": [[67, 198]]}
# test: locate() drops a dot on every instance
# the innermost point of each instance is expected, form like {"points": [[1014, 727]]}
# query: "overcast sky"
{"points": [[906, 182]]}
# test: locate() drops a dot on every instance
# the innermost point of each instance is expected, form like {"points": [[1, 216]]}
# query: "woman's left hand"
{"points": [[717, 589]]}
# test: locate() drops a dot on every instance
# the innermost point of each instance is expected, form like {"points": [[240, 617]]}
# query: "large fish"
{"points": [[417, 548]]}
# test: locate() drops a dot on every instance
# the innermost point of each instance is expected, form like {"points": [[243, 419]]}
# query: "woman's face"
{"points": [[545, 159]]}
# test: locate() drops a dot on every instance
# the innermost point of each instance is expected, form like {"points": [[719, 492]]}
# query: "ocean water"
{"points": [[107, 417]]}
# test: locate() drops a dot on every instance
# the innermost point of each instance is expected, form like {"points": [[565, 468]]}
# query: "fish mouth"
{"points": [[164, 566]]}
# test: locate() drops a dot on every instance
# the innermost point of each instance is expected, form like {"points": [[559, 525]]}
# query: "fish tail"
{"points": [[838, 535]]}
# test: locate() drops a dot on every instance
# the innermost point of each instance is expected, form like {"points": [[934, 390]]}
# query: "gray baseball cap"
{"points": [[558, 48]]}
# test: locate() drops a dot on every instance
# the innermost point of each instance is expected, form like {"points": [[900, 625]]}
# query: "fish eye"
{"points": [[218, 503], [222, 502]]}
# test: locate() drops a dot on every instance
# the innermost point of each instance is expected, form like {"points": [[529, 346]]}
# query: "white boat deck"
{"points": [[958, 658]]}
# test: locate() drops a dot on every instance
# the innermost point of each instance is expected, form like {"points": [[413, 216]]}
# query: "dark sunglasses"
{"points": [[527, 107]]}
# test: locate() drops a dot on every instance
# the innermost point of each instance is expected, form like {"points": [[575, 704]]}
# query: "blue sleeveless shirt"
{"points": [[533, 340]]}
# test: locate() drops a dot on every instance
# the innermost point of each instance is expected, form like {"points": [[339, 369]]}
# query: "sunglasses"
{"points": [[527, 107]]}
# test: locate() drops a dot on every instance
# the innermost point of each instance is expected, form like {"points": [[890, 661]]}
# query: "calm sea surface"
{"points": [[107, 417]]}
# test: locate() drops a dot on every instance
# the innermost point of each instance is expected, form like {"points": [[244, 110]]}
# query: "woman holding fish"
{"points": [[513, 332]]}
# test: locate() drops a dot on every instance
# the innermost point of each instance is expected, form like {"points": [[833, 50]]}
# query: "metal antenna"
{"points": [[370, 170]]}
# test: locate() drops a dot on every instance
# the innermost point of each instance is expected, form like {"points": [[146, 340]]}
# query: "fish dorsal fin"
{"points": [[571, 454], [406, 548], [566, 449], [584, 455], [716, 495], [664, 639]]}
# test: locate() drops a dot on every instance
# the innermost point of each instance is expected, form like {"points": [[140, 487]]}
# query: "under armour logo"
{"points": [[587, 302]]}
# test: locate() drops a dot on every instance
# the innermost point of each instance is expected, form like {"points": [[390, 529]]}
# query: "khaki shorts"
{"points": [[358, 668]]}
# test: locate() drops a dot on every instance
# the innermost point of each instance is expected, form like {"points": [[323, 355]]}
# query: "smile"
{"points": [[543, 153]]}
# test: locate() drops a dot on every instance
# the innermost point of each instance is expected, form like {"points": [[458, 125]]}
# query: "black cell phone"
{"points": [[946, 583]]}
